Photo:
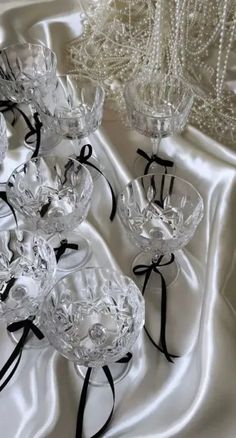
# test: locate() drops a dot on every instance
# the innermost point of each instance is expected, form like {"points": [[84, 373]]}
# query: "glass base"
{"points": [[98, 378], [72, 259], [4, 209], [32, 341], [140, 164], [169, 272]]}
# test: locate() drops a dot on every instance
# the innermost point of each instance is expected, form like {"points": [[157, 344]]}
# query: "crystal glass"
{"points": [[27, 73], [75, 110], [157, 107], [4, 209], [3, 138], [28, 265], [93, 318], [25, 69], [160, 213], [54, 194]]}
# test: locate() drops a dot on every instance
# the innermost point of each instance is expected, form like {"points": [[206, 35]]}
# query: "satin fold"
{"points": [[196, 396]]}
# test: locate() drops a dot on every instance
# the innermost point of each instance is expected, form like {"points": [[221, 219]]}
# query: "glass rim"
{"points": [[158, 239], [53, 157], [54, 57], [128, 102], [166, 175], [94, 268]]}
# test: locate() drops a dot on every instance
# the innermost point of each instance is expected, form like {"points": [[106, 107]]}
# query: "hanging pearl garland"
{"points": [[123, 39]]}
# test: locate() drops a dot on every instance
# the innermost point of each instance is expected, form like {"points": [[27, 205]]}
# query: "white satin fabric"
{"points": [[195, 397]]}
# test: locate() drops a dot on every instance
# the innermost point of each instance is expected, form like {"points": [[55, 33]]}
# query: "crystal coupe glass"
{"points": [[75, 110], [3, 138], [28, 71], [157, 107], [93, 318], [54, 194], [27, 270], [160, 213], [4, 209]]}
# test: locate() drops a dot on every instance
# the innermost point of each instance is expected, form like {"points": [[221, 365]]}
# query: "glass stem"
{"points": [[77, 146], [156, 145]]}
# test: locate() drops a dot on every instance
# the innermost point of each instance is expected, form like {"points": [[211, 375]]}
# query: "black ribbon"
{"points": [[64, 245], [35, 130], [147, 270], [26, 325], [6, 106], [10, 283], [3, 196], [80, 416], [154, 159], [83, 157]]}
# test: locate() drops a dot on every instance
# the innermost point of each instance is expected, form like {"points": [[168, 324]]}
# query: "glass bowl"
{"points": [[93, 316], [26, 70], [160, 212], [27, 270]]}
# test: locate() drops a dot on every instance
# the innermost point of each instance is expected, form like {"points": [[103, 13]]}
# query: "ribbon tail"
{"points": [[80, 416], [113, 210], [2, 386], [163, 319], [3, 196], [111, 383], [174, 356], [146, 279], [16, 352]]}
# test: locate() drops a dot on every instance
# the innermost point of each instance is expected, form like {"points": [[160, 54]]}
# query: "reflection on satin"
{"points": [[195, 397]]}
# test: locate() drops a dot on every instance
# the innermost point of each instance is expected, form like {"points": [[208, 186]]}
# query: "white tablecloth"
{"points": [[195, 397]]}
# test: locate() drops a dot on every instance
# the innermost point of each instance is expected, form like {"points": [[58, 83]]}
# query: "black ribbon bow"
{"points": [[80, 416], [83, 157], [64, 245], [154, 159], [26, 325], [147, 270]]}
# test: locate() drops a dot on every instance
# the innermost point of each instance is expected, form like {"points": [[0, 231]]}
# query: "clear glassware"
{"points": [[93, 318], [28, 71], [157, 108], [160, 213], [54, 194], [75, 111], [4, 209], [28, 264], [3, 138]]}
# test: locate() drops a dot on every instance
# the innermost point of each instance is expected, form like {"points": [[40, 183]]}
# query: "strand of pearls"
{"points": [[190, 38]]}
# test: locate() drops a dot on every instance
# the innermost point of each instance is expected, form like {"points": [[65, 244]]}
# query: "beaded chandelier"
{"points": [[193, 39]]}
